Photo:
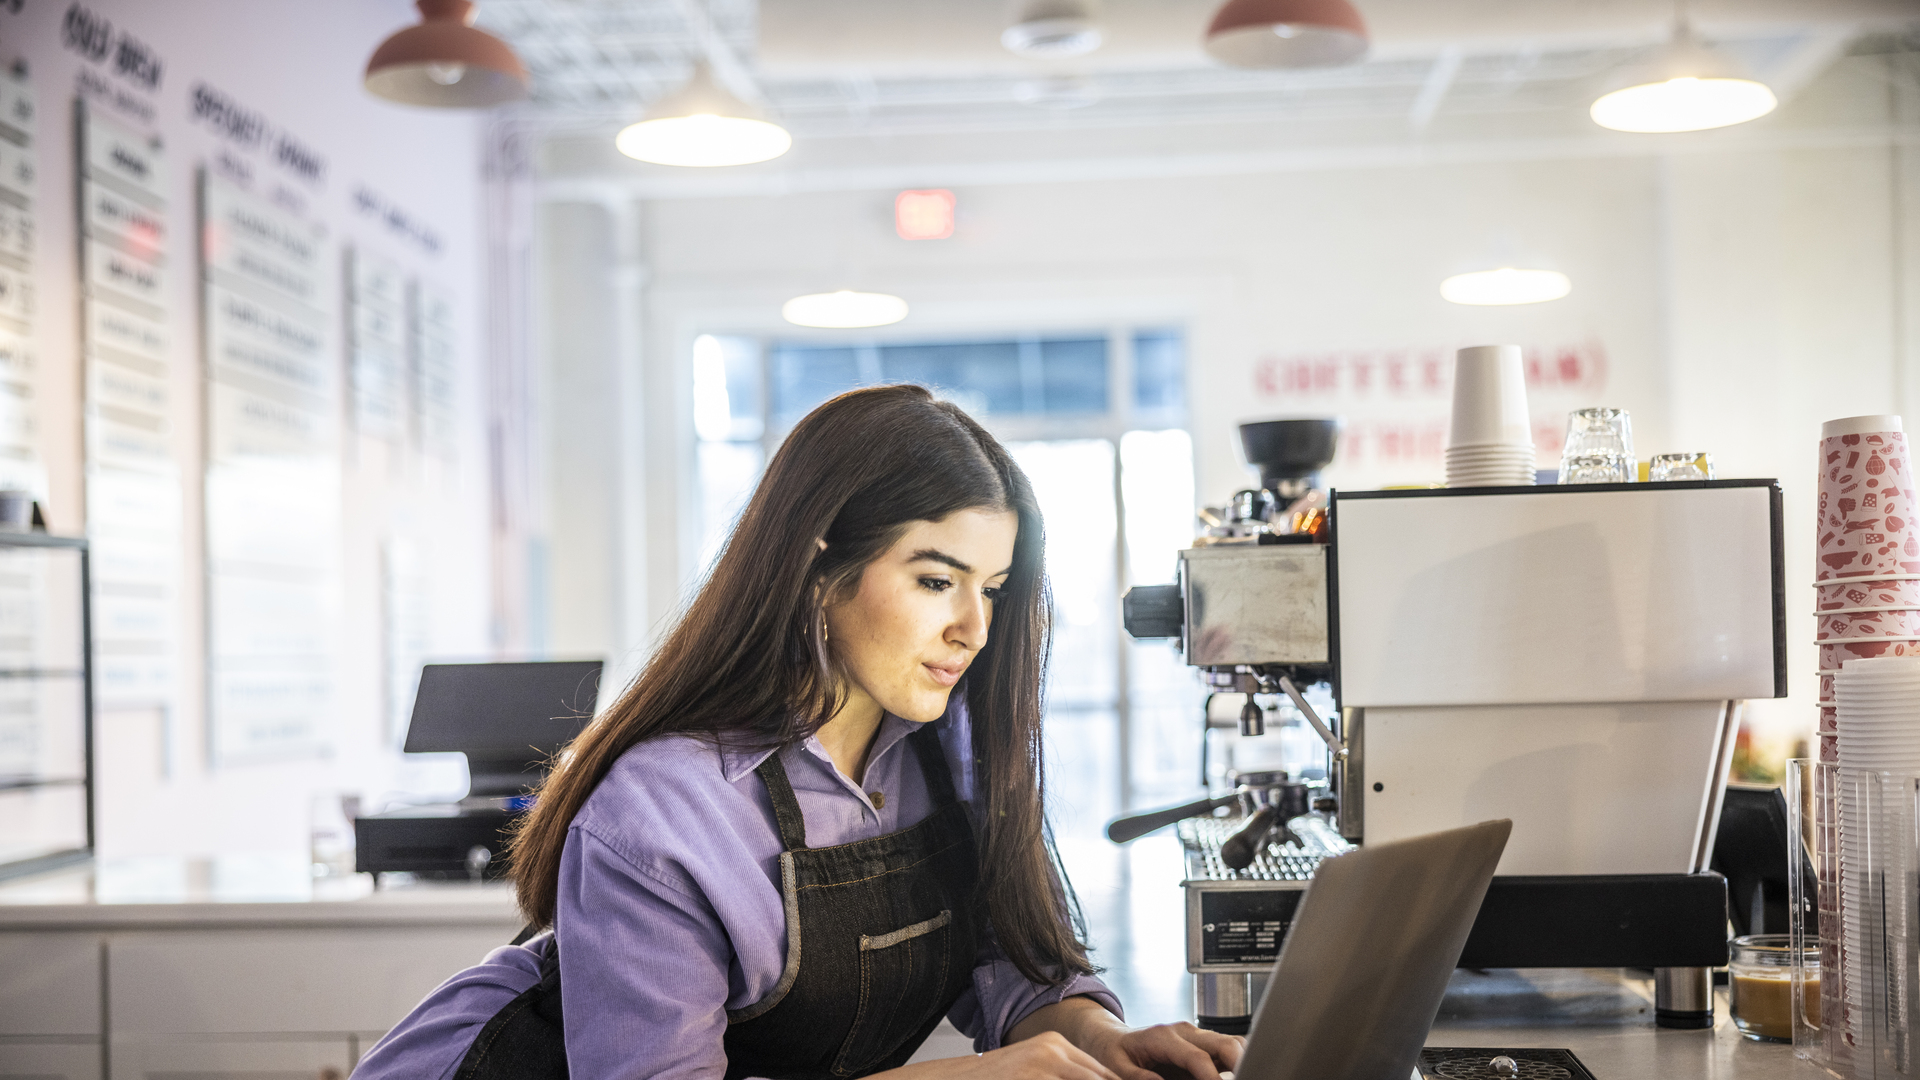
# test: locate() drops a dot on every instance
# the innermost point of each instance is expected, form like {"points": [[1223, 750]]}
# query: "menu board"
{"points": [[133, 486], [273, 478], [377, 321], [20, 467], [432, 368], [24, 744]]}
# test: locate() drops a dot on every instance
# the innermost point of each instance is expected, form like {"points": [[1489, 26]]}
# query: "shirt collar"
{"points": [[738, 762]]}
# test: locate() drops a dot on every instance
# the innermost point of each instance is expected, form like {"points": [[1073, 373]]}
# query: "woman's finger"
{"points": [[1085, 1066], [1175, 1047], [1225, 1049]]}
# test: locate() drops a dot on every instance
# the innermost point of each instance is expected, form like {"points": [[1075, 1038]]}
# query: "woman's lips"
{"points": [[946, 674]]}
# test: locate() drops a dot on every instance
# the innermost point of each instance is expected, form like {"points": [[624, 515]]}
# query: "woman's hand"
{"points": [[1179, 1050], [1047, 1056]]}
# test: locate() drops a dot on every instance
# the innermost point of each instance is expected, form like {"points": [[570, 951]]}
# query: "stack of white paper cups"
{"points": [[1867, 553], [1490, 441]]}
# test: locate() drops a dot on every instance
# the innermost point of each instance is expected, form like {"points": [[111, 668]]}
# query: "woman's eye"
{"points": [[992, 592], [934, 584]]}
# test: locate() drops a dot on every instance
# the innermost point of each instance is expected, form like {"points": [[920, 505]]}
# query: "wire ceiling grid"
{"points": [[606, 59]]}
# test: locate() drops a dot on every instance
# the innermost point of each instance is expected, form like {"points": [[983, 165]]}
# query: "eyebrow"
{"points": [[936, 555]]}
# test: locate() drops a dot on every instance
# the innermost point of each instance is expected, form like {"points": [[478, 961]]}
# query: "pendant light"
{"points": [[844, 310], [1506, 285], [445, 62], [1286, 33], [703, 125], [1686, 86]]}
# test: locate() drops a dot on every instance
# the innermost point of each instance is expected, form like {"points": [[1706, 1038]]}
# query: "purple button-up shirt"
{"points": [[670, 911]]}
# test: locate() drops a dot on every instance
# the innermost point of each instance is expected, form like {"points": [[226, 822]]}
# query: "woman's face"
{"points": [[922, 611]]}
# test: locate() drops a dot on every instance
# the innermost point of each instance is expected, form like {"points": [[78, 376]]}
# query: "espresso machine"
{"points": [[1574, 658]]}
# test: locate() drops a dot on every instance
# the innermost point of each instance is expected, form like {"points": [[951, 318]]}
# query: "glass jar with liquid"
{"points": [[1760, 974]]}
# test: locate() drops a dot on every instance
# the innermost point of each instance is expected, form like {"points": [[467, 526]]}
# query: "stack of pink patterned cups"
{"points": [[1867, 553]]}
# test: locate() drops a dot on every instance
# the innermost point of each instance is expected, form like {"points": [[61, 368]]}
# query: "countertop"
{"points": [[1606, 1019], [1604, 1016], [241, 891]]}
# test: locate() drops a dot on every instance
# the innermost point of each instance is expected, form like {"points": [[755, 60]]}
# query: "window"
{"points": [[1097, 421]]}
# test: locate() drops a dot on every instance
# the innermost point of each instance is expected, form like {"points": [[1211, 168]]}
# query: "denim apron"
{"points": [[882, 935]]}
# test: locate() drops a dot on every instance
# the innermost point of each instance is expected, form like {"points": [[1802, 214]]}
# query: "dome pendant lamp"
{"points": [[1286, 33], [1687, 86], [446, 62], [703, 125]]}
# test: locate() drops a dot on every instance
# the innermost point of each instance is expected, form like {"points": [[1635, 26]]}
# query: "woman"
{"points": [[791, 848]]}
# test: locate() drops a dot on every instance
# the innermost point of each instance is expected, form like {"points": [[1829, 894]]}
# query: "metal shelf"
{"points": [[10, 783], [47, 860]]}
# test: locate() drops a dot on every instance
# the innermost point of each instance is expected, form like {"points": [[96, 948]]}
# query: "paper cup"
{"points": [[1867, 594], [1866, 507], [1835, 653], [1854, 625], [1489, 397]]}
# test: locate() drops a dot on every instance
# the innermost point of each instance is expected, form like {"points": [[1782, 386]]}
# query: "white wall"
{"points": [[298, 65], [1738, 287]]}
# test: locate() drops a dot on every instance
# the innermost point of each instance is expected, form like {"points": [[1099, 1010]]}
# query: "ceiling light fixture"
{"points": [[1050, 29], [1286, 33], [1686, 86], [844, 310], [703, 125], [446, 62], [1507, 285]]}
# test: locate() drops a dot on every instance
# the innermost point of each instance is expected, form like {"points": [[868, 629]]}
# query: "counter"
{"points": [[234, 967], [244, 966], [1606, 1019]]}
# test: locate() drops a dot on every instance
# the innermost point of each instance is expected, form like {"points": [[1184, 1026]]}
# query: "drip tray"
{"points": [[1472, 1063]]}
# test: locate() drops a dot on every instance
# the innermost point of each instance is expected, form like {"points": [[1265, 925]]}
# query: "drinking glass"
{"points": [[1761, 985], [1598, 469], [1695, 466], [1597, 431]]}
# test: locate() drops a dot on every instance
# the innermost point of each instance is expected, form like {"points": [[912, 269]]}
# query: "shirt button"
{"points": [[879, 799]]}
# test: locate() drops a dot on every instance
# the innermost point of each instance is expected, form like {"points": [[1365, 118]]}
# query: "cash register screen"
{"points": [[502, 707]]}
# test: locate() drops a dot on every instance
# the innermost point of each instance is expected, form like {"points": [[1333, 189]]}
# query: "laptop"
{"points": [[1363, 969]]}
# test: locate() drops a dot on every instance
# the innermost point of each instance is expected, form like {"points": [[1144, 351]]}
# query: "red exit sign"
{"points": [[923, 215]]}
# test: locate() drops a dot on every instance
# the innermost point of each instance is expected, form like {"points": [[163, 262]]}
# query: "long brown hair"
{"points": [[748, 663]]}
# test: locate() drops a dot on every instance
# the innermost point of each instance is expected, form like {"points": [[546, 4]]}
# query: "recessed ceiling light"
{"points": [[1049, 29], [1507, 285], [844, 309]]}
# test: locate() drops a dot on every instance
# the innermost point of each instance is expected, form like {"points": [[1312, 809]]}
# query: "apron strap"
{"points": [[933, 765], [786, 808]]}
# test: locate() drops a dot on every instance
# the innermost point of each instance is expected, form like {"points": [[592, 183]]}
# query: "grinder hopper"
{"points": [[1290, 453]]}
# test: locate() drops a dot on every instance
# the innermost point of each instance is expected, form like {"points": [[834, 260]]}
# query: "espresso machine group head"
{"points": [[1575, 658]]}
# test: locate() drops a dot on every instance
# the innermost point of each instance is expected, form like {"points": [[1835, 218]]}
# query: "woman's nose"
{"points": [[969, 627]]}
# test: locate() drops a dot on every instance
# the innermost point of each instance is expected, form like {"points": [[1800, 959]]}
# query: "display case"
{"points": [[46, 703]]}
